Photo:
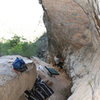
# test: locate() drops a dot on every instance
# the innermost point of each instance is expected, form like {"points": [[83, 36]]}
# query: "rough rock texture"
{"points": [[12, 84], [66, 24], [73, 32], [92, 10], [42, 45]]}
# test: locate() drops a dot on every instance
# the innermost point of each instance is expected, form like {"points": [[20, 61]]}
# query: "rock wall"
{"points": [[73, 33], [42, 47], [12, 84], [66, 25]]}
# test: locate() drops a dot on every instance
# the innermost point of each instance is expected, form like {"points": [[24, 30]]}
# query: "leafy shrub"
{"points": [[18, 45]]}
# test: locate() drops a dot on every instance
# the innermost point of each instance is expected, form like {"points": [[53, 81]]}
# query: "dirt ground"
{"points": [[60, 84]]}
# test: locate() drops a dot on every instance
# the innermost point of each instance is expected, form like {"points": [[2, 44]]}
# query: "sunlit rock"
{"points": [[13, 84]]}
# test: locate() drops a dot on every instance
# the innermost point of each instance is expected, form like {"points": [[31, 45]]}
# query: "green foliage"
{"points": [[18, 46]]}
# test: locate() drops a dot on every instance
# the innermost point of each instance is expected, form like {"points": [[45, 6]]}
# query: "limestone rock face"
{"points": [[66, 25], [12, 84], [73, 33]]}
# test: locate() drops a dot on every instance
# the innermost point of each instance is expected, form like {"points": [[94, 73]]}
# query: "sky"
{"points": [[21, 17]]}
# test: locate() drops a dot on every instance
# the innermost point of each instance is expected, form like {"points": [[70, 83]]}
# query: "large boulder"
{"points": [[13, 84], [74, 33], [66, 24]]}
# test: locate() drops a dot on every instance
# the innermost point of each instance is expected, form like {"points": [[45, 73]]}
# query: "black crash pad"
{"points": [[52, 71]]}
